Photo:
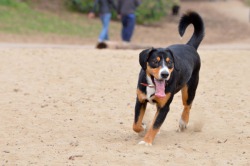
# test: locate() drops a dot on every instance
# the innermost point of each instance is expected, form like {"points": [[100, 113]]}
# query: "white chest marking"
{"points": [[150, 91], [164, 69]]}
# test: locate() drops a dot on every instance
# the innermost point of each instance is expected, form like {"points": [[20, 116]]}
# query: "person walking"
{"points": [[105, 7], [126, 12]]}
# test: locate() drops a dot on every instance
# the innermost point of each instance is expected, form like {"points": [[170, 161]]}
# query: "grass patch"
{"points": [[19, 18], [247, 2], [13, 4]]}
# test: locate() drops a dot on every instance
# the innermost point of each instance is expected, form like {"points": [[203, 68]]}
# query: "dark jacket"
{"points": [[104, 6], [127, 6]]}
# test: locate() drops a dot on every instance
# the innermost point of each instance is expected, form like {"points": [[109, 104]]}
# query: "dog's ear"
{"points": [[143, 57], [176, 64]]}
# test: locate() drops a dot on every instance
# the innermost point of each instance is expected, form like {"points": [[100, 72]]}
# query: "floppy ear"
{"points": [[143, 57], [176, 64]]}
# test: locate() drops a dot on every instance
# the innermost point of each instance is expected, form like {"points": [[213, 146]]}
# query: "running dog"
{"points": [[166, 71]]}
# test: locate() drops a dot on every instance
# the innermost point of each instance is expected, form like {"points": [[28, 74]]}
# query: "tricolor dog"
{"points": [[166, 71]]}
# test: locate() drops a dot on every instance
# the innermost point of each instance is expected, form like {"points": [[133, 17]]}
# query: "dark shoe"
{"points": [[101, 45]]}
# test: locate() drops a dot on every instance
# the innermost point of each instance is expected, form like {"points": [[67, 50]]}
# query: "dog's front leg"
{"points": [[140, 108], [160, 116]]}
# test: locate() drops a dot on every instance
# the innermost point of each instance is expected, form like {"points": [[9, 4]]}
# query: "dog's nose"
{"points": [[164, 74]]}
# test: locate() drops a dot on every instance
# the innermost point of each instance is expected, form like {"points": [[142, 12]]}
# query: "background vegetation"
{"points": [[19, 17], [149, 11], [22, 16], [247, 2]]}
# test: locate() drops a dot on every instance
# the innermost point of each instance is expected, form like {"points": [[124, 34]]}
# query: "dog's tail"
{"points": [[199, 30]]}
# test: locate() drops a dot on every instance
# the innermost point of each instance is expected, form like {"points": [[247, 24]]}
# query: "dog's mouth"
{"points": [[159, 87]]}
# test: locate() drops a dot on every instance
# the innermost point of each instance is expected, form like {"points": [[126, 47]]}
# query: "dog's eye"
{"points": [[155, 61]]}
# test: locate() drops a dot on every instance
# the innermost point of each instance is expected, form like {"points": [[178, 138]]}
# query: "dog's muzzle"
{"points": [[164, 74]]}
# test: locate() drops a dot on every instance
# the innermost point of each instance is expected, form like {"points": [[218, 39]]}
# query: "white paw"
{"points": [[143, 126], [144, 143], [142, 133], [182, 125]]}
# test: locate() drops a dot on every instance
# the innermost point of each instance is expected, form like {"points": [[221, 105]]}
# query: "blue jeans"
{"points": [[105, 18], [128, 25]]}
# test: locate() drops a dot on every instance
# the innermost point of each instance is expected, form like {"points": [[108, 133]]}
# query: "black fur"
{"points": [[199, 29], [184, 63]]}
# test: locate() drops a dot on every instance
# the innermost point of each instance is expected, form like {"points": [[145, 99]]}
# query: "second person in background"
{"points": [[126, 12]]}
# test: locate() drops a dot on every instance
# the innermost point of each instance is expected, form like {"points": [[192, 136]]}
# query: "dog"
{"points": [[166, 71]]}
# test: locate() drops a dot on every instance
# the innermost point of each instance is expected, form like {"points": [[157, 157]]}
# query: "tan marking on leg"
{"points": [[141, 96], [186, 110], [151, 133], [185, 114]]}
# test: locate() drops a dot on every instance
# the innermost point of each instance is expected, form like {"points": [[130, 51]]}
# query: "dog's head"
{"points": [[158, 65]]}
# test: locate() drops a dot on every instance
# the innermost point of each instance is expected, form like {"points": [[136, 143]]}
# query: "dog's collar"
{"points": [[150, 86]]}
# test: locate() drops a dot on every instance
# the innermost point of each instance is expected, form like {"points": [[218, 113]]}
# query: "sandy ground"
{"points": [[74, 105]]}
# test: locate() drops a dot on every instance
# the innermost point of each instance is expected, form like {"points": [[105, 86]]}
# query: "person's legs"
{"points": [[128, 23], [130, 26], [124, 27], [105, 18]]}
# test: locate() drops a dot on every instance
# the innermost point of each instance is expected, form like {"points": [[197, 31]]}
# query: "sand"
{"points": [[74, 106]]}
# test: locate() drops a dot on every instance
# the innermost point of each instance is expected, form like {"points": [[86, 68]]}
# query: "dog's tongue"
{"points": [[159, 88]]}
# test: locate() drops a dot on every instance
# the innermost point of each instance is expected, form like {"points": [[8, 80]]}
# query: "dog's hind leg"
{"points": [[140, 108], [188, 94], [186, 110]]}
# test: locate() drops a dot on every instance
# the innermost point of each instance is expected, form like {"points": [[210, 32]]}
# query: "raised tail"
{"points": [[199, 29]]}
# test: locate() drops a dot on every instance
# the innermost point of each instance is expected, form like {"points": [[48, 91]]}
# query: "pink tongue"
{"points": [[160, 88]]}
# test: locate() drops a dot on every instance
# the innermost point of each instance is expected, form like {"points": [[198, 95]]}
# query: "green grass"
{"points": [[19, 18], [13, 3], [247, 2]]}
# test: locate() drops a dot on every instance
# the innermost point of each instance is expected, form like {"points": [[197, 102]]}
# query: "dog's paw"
{"points": [[142, 133], [144, 143], [182, 126], [144, 126]]}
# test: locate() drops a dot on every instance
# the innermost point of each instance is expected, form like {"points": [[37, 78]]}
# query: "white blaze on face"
{"points": [[164, 69]]}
